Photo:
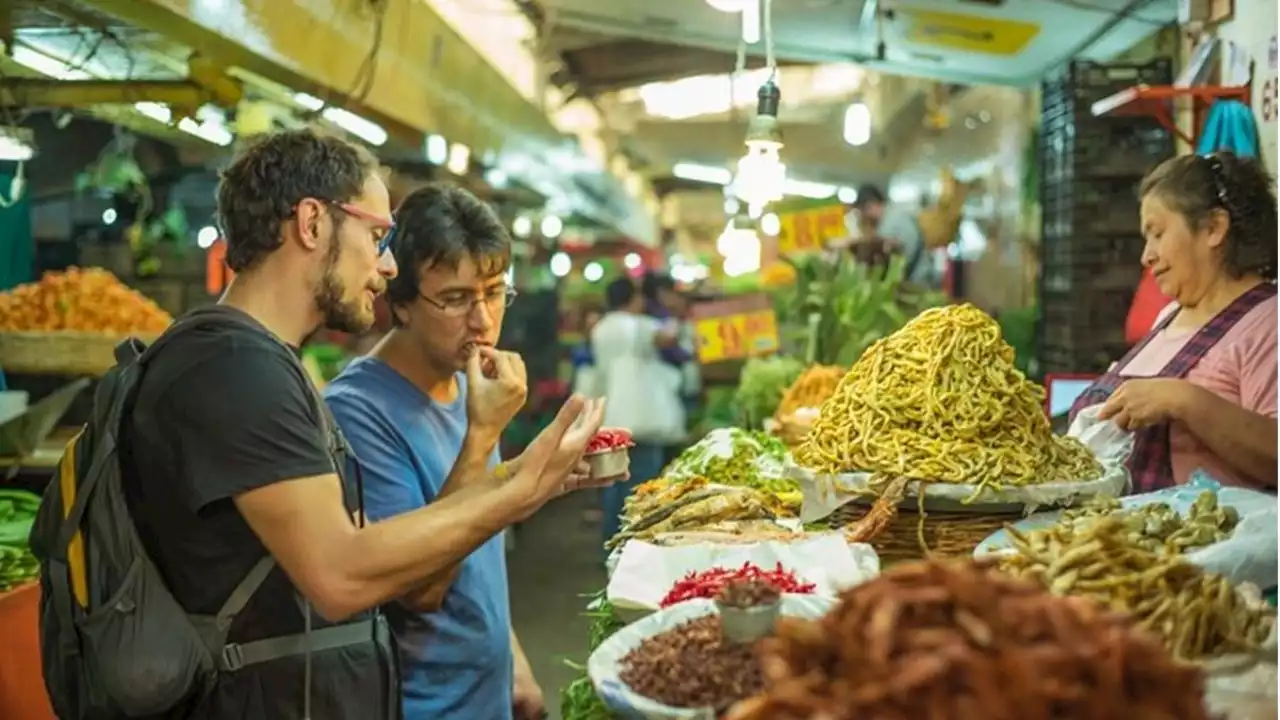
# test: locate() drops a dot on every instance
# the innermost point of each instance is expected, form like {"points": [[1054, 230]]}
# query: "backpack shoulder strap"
{"points": [[239, 597]]}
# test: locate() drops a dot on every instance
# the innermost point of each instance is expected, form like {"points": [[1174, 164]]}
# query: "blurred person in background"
{"points": [[898, 231], [664, 302], [642, 386], [1199, 391], [424, 412], [584, 383], [580, 355]]}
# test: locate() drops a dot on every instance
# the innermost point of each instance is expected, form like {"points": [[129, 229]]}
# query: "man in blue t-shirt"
{"points": [[425, 408]]}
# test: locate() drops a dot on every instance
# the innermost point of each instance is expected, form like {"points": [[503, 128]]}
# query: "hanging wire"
{"points": [[770, 61], [739, 67]]}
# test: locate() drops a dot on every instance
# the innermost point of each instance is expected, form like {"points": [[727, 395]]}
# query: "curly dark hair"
{"points": [[442, 224], [271, 174], [1195, 186]]}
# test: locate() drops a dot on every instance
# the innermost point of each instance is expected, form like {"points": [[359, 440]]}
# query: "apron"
{"points": [[1149, 463]]}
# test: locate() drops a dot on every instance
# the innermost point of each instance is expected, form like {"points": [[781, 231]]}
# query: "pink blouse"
{"points": [[1240, 368]]}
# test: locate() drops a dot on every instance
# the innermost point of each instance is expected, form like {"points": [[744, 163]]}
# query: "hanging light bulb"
{"points": [[751, 22], [739, 230], [857, 124], [761, 172], [739, 245]]}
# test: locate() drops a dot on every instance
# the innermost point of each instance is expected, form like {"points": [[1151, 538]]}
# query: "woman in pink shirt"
{"points": [[1199, 391]]}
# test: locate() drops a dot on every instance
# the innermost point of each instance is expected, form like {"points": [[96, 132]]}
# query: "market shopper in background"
{"points": [[425, 418], [227, 453], [886, 229], [643, 388], [664, 302], [1199, 391]]}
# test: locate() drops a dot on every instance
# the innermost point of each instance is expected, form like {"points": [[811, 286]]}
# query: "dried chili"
{"points": [[707, 583]]}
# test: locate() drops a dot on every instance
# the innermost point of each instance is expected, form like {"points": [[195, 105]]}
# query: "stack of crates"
{"points": [[1091, 241]]}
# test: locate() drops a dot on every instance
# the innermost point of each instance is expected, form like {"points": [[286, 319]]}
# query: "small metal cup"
{"points": [[609, 463], [745, 625]]}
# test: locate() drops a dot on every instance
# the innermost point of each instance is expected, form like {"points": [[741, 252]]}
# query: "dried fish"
{"points": [[724, 505]]}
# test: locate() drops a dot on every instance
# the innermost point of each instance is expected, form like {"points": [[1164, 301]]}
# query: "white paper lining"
{"points": [[824, 494], [645, 573]]}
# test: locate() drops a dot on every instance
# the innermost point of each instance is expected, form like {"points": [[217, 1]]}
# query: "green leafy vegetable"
{"points": [[761, 386], [578, 699]]}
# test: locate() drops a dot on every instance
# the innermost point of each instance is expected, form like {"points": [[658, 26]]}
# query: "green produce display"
{"points": [[17, 513], [578, 699], [761, 386], [737, 464], [839, 308]]}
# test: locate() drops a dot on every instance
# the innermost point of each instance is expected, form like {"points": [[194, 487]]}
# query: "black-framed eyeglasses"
{"points": [[496, 298]]}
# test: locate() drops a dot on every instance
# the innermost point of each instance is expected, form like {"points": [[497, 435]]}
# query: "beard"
{"points": [[340, 313]]}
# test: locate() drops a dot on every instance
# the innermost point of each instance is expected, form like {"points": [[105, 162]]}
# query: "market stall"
{"points": [[937, 420], [68, 323], [932, 448]]}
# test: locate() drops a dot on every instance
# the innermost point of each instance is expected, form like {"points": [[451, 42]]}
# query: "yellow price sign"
{"points": [[737, 336], [970, 33], [810, 230]]}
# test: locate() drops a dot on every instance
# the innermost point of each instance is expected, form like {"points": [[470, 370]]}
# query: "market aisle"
{"points": [[554, 562]]}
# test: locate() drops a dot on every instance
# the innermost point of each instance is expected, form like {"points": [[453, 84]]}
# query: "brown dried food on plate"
{"points": [[693, 666], [940, 640]]}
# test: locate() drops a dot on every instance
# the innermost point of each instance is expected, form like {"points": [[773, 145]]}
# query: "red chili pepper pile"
{"points": [[609, 439], [707, 583]]}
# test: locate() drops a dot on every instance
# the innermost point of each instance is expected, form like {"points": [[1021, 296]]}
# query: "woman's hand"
{"points": [[1143, 402]]}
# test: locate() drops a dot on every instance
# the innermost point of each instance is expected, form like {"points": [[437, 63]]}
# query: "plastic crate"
{"points": [[1122, 252], [1072, 360], [1084, 82], [1101, 153]]}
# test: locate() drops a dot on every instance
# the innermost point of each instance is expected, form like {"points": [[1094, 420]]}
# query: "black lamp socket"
{"points": [[768, 99]]}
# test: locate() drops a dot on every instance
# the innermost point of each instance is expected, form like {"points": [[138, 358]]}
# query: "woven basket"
{"points": [[59, 353], [949, 534]]}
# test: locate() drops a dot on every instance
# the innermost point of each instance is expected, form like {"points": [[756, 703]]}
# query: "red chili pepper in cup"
{"points": [[610, 439], [708, 583], [607, 453]]}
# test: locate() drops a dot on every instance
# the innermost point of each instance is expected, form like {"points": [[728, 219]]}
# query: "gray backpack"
{"points": [[114, 640]]}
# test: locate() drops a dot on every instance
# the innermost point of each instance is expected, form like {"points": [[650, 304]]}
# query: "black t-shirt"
{"points": [[222, 410]]}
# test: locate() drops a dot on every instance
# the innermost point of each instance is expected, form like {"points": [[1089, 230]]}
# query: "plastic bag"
{"points": [[605, 664], [1111, 444], [1249, 555]]}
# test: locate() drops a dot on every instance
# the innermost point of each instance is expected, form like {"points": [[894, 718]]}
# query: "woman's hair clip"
{"points": [[1219, 173]]}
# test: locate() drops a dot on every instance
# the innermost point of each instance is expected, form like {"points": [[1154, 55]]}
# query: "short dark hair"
{"points": [[868, 194], [271, 174], [1195, 186], [654, 283], [441, 223], [619, 292]]}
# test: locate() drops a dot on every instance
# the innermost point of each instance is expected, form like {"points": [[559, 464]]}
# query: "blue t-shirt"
{"points": [[456, 663]]}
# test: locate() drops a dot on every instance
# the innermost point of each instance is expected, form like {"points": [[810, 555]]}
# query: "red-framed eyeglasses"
{"points": [[385, 225]]}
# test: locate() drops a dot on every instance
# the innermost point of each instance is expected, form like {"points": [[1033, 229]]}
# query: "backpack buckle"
{"points": [[232, 657]]}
